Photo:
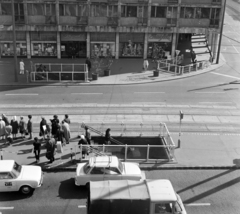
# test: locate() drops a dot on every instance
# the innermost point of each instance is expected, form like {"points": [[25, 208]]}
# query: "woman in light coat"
{"points": [[66, 131]]}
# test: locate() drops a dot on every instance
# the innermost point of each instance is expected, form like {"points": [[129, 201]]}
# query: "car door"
{"points": [[96, 174], [7, 182], [112, 173]]}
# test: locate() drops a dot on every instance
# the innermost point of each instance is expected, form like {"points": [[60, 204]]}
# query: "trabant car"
{"points": [[107, 168], [16, 177]]}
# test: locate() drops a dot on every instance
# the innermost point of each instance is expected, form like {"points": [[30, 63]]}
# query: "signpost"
{"points": [[180, 131]]}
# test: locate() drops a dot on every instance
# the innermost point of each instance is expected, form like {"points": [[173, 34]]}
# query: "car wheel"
{"points": [[26, 190]]}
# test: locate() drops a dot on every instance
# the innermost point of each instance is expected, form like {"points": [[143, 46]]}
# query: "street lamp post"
{"points": [[14, 43], [220, 39]]}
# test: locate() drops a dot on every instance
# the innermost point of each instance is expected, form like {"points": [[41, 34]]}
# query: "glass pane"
{"points": [[182, 12], [6, 9], [61, 10], [53, 9], [131, 11], [161, 12], [158, 153], [21, 9], [135, 152], [93, 10], [189, 12], [205, 13], [145, 12], [217, 13], [153, 8]]}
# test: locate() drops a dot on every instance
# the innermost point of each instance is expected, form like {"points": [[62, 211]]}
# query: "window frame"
{"points": [[155, 11], [64, 9], [125, 10]]}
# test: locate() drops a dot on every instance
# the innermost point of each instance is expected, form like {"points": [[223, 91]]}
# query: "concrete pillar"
{"points": [[88, 44], [215, 45], [28, 40], [117, 46], [58, 45], [210, 35], [57, 11], [145, 46], [174, 44]]}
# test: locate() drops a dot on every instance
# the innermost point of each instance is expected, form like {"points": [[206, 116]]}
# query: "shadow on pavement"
{"points": [[13, 196]]}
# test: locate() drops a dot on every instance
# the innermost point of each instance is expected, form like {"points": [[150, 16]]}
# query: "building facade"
{"points": [[122, 28]]}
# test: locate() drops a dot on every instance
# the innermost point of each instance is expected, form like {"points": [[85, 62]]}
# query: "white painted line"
{"points": [[6, 208], [215, 102], [235, 49], [148, 103], [149, 92], [210, 92], [198, 204], [86, 93], [81, 206], [21, 94], [226, 75]]}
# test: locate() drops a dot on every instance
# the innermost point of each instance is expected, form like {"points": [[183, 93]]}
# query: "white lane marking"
{"points": [[215, 102], [198, 204], [235, 49], [21, 94], [6, 208], [149, 92], [81, 206], [86, 93], [210, 92], [226, 75], [148, 103]]}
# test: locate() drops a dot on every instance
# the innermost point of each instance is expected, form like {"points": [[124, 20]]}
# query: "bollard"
{"points": [[179, 143], [1, 151]]}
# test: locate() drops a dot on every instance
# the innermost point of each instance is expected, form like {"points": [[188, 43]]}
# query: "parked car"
{"points": [[16, 177], [107, 168]]}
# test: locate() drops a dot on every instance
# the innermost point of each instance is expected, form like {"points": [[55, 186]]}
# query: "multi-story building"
{"points": [[123, 28]]}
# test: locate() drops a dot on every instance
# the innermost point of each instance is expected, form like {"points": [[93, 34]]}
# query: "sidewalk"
{"points": [[123, 72]]}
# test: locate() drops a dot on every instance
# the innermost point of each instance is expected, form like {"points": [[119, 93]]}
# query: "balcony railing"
{"points": [[82, 20], [19, 19], [112, 21], [142, 21], [214, 23], [50, 20], [171, 22]]}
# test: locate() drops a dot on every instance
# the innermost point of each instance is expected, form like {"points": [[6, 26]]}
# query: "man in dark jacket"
{"points": [[89, 64], [55, 123], [50, 146], [37, 149]]}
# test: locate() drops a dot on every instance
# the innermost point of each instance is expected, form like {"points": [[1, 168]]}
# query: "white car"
{"points": [[15, 177], [107, 168]]}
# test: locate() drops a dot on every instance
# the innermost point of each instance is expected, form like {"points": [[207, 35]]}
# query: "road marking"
{"points": [[198, 204], [149, 92], [148, 103], [216, 102], [226, 75], [6, 208], [235, 49], [86, 93], [210, 92], [81, 206], [21, 94]]}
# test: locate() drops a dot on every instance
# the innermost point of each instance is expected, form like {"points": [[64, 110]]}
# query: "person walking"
{"points": [[55, 123], [2, 128], [21, 63], [43, 128], [5, 119], [22, 127], [145, 64], [50, 147], [66, 131], [88, 135], [89, 64], [193, 55], [59, 135], [30, 126], [37, 149], [8, 134], [108, 137], [14, 124], [66, 119], [85, 149]]}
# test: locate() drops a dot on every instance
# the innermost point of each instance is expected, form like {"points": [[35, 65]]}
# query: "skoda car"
{"points": [[107, 168], [16, 177]]}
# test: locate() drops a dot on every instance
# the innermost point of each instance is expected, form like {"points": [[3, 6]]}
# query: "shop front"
{"points": [[159, 45], [73, 45], [6, 44], [43, 44], [131, 45], [103, 44]]}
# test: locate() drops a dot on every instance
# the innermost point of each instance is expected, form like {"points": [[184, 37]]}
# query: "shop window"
{"points": [[112, 11], [102, 49], [50, 10], [187, 12], [82, 10], [35, 9], [99, 10], [73, 49], [202, 13], [128, 11], [131, 49], [67, 10], [159, 50], [215, 15], [6, 9], [19, 12], [44, 49], [7, 49], [158, 12]]}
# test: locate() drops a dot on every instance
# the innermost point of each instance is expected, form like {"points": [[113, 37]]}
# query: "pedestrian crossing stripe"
{"points": [[210, 134]]}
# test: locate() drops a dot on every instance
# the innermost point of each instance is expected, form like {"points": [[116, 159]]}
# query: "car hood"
{"points": [[132, 169], [31, 173]]}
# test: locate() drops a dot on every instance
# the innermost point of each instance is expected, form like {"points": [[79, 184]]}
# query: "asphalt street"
{"points": [[202, 191]]}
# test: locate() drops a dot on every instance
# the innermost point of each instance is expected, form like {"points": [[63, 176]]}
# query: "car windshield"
{"points": [[120, 166], [16, 169], [86, 168]]}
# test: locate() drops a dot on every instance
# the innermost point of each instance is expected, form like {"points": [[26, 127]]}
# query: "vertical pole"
{"points": [[148, 152], [58, 46], [14, 43], [180, 130], [117, 46], [125, 155], [28, 44], [1, 152]]}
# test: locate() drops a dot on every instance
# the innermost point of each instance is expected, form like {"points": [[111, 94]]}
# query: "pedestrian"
{"points": [[43, 128], [30, 126], [108, 136], [8, 134], [59, 135], [50, 149], [14, 124], [5, 119], [145, 64], [85, 149], [22, 127], [37, 149], [21, 67], [55, 123], [89, 64], [66, 119], [88, 135], [2, 128], [193, 55], [66, 131]]}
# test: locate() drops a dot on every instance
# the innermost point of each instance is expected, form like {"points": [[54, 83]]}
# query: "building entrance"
{"points": [[73, 49]]}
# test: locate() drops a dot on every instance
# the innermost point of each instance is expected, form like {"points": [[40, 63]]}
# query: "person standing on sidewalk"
{"points": [[37, 149], [43, 128], [50, 146], [108, 137], [21, 63], [2, 128], [22, 127], [8, 131], [88, 135], [89, 64], [55, 123], [145, 64], [30, 126], [85, 149], [66, 119], [14, 124], [66, 131]]}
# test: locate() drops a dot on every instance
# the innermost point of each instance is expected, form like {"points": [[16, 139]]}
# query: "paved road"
{"points": [[205, 192]]}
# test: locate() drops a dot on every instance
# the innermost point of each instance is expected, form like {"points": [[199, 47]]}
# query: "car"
{"points": [[16, 177], [106, 168]]}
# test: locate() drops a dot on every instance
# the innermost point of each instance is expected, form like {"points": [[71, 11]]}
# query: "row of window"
{"points": [[104, 10]]}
